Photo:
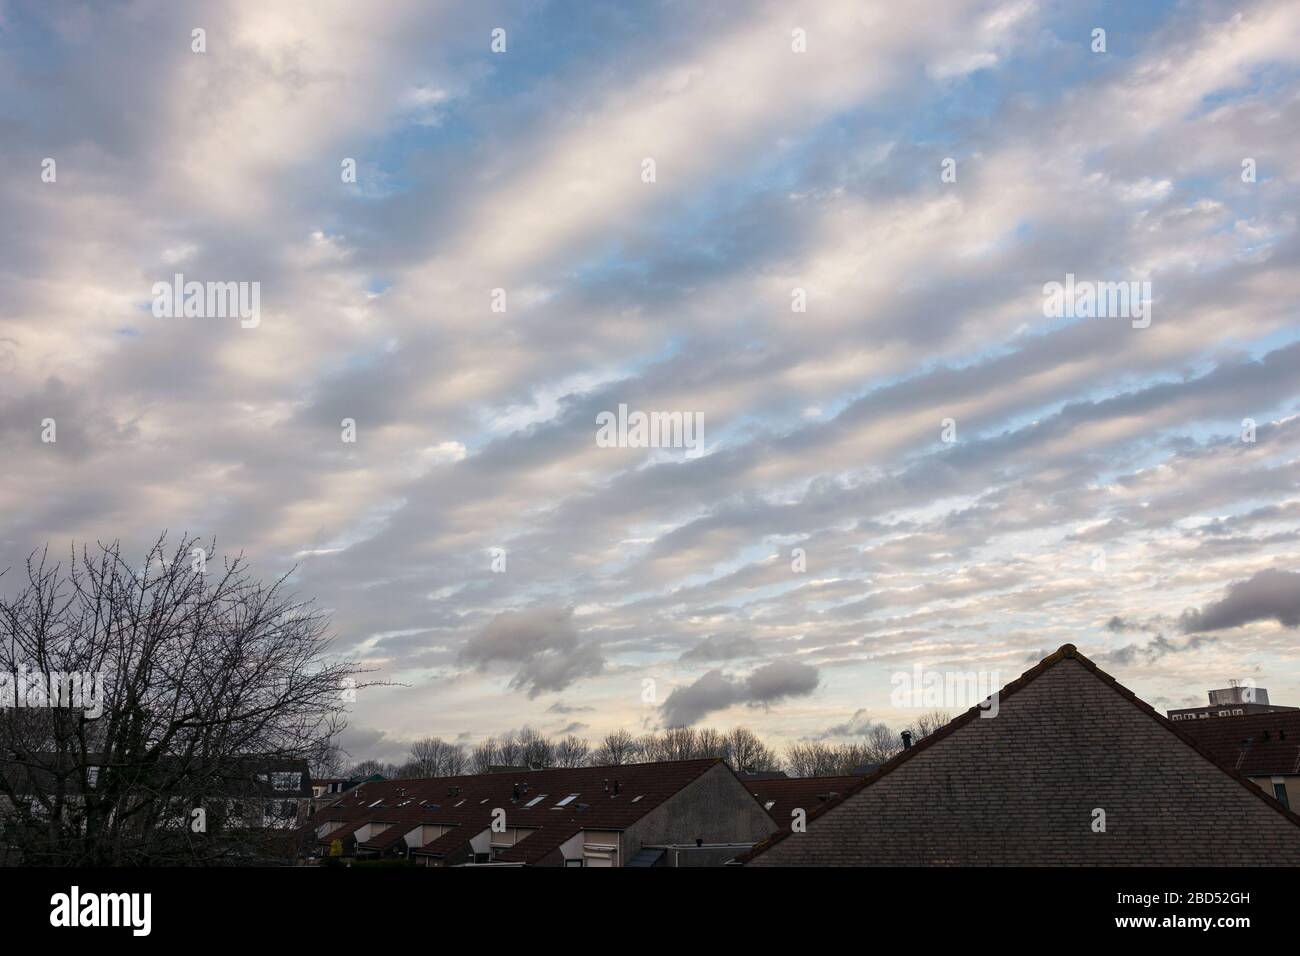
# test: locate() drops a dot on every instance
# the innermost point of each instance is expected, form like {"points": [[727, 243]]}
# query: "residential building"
{"points": [[1240, 698], [326, 790], [1073, 770], [676, 813], [781, 797], [1263, 748]]}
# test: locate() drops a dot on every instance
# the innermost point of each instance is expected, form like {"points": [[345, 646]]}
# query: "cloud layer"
{"points": [[475, 543], [1268, 595]]}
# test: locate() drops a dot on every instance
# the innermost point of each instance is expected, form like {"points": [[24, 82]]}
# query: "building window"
{"points": [[1279, 791]]}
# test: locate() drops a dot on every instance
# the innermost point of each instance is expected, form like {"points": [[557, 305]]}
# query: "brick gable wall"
{"points": [[1020, 789]]}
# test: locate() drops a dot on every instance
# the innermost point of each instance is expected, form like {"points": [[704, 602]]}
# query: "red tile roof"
{"points": [[467, 802], [536, 846], [383, 839], [1064, 652], [349, 828], [449, 842], [785, 794], [1254, 744]]}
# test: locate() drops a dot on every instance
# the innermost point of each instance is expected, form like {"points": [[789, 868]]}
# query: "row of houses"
{"points": [[1074, 770], [688, 812]]}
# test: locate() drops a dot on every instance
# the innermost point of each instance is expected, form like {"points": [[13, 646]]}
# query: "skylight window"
{"points": [[535, 801], [567, 800]]}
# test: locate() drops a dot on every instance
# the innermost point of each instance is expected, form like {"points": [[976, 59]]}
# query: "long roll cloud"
{"points": [[1269, 595]]}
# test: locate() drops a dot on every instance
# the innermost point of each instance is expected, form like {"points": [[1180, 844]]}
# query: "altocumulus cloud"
{"points": [[1269, 595], [768, 684], [477, 428], [543, 641]]}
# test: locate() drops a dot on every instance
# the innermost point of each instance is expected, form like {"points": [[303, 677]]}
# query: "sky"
{"points": [[836, 263]]}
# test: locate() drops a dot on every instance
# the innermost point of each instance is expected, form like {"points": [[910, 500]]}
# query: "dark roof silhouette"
{"points": [[1074, 749]]}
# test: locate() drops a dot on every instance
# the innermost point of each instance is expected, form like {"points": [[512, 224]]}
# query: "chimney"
{"points": [[907, 740], [616, 787], [699, 841]]}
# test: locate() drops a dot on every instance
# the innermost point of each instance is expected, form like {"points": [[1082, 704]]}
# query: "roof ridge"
{"points": [[1064, 652]]}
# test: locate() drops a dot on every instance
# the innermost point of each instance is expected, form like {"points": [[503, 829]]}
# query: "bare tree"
{"points": [[535, 749], [331, 763], [208, 681], [929, 722], [813, 759], [370, 768], [483, 756], [572, 752], [882, 743], [510, 752], [616, 748], [676, 743], [434, 757], [710, 743], [744, 750]]}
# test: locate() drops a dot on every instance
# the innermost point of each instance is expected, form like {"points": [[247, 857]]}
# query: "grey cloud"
{"points": [[1153, 650], [1269, 595], [543, 642], [559, 707], [714, 691], [370, 743], [858, 725], [721, 647]]}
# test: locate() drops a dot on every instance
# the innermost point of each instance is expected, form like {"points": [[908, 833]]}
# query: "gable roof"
{"points": [[383, 839], [1065, 652], [787, 793], [347, 830], [1252, 744], [449, 842], [556, 803]]}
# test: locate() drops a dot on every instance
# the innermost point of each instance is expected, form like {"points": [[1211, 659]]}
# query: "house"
{"points": [[326, 790], [1263, 748], [1231, 702], [673, 813], [253, 792], [781, 797], [1074, 770]]}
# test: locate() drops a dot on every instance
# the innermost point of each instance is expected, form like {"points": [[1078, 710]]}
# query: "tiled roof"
{"points": [[388, 837], [557, 803], [1253, 744], [339, 833], [449, 842], [537, 845], [1065, 652], [786, 794]]}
